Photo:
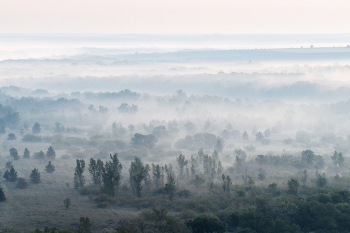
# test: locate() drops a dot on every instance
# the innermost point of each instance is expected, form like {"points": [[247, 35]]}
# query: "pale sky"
{"points": [[174, 16]]}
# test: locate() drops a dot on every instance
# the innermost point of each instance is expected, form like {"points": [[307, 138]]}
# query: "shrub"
{"points": [[31, 138], [39, 155], [91, 190], [102, 205], [21, 183], [2, 195], [11, 136], [206, 224]]}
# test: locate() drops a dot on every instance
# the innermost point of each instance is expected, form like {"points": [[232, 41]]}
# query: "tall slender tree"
{"points": [[79, 179], [137, 175], [26, 153], [112, 175]]}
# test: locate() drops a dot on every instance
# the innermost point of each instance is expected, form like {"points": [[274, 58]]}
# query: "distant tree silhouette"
{"points": [[51, 154], [14, 153], [11, 175], [21, 183], [11, 136], [8, 165], [66, 203], [137, 175], [39, 155], [79, 179], [36, 128], [84, 226], [35, 176], [49, 168], [2, 195], [26, 153], [245, 135]]}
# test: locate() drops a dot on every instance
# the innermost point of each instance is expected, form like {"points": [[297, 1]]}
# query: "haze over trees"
{"points": [[203, 140]]}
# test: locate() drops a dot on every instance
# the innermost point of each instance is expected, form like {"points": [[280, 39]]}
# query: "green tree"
{"points": [[157, 173], [337, 158], [304, 177], [79, 179], [170, 186], [321, 180], [143, 140], [259, 136], [39, 155], [11, 136], [36, 128], [8, 165], [219, 145], [51, 154], [26, 153], [137, 174], [2, 195], [11, 175], [66, 203], [308, 156], [182, 162], [21, 183], [193, 166], [200, 155], [14, 153], [111, 175], [226, 183], [85, 225], [49, 168], [96, 169], [293, 186], [35, 176]]}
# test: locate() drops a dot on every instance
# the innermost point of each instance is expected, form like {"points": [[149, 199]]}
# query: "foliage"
{"points": [[293, 186], [14, 153], [21, 183], [337, 158], [111, 175], [199, 140], [226, 183], [2, 195], [66, 203], [11, 175], [84, 226], [206, 224], [8, 165], [79, 179], [39, 155], [49, 168], [259, 136], [126, 108], [143, 140], [31, 138], [36, 128], [11, 136], [26, 153], [321, 180], [51, 154], [96, 170], [35, 176], [137, 174]]}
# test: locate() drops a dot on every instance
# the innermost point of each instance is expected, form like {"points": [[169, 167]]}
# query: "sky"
{"points": [[174, 16]]}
